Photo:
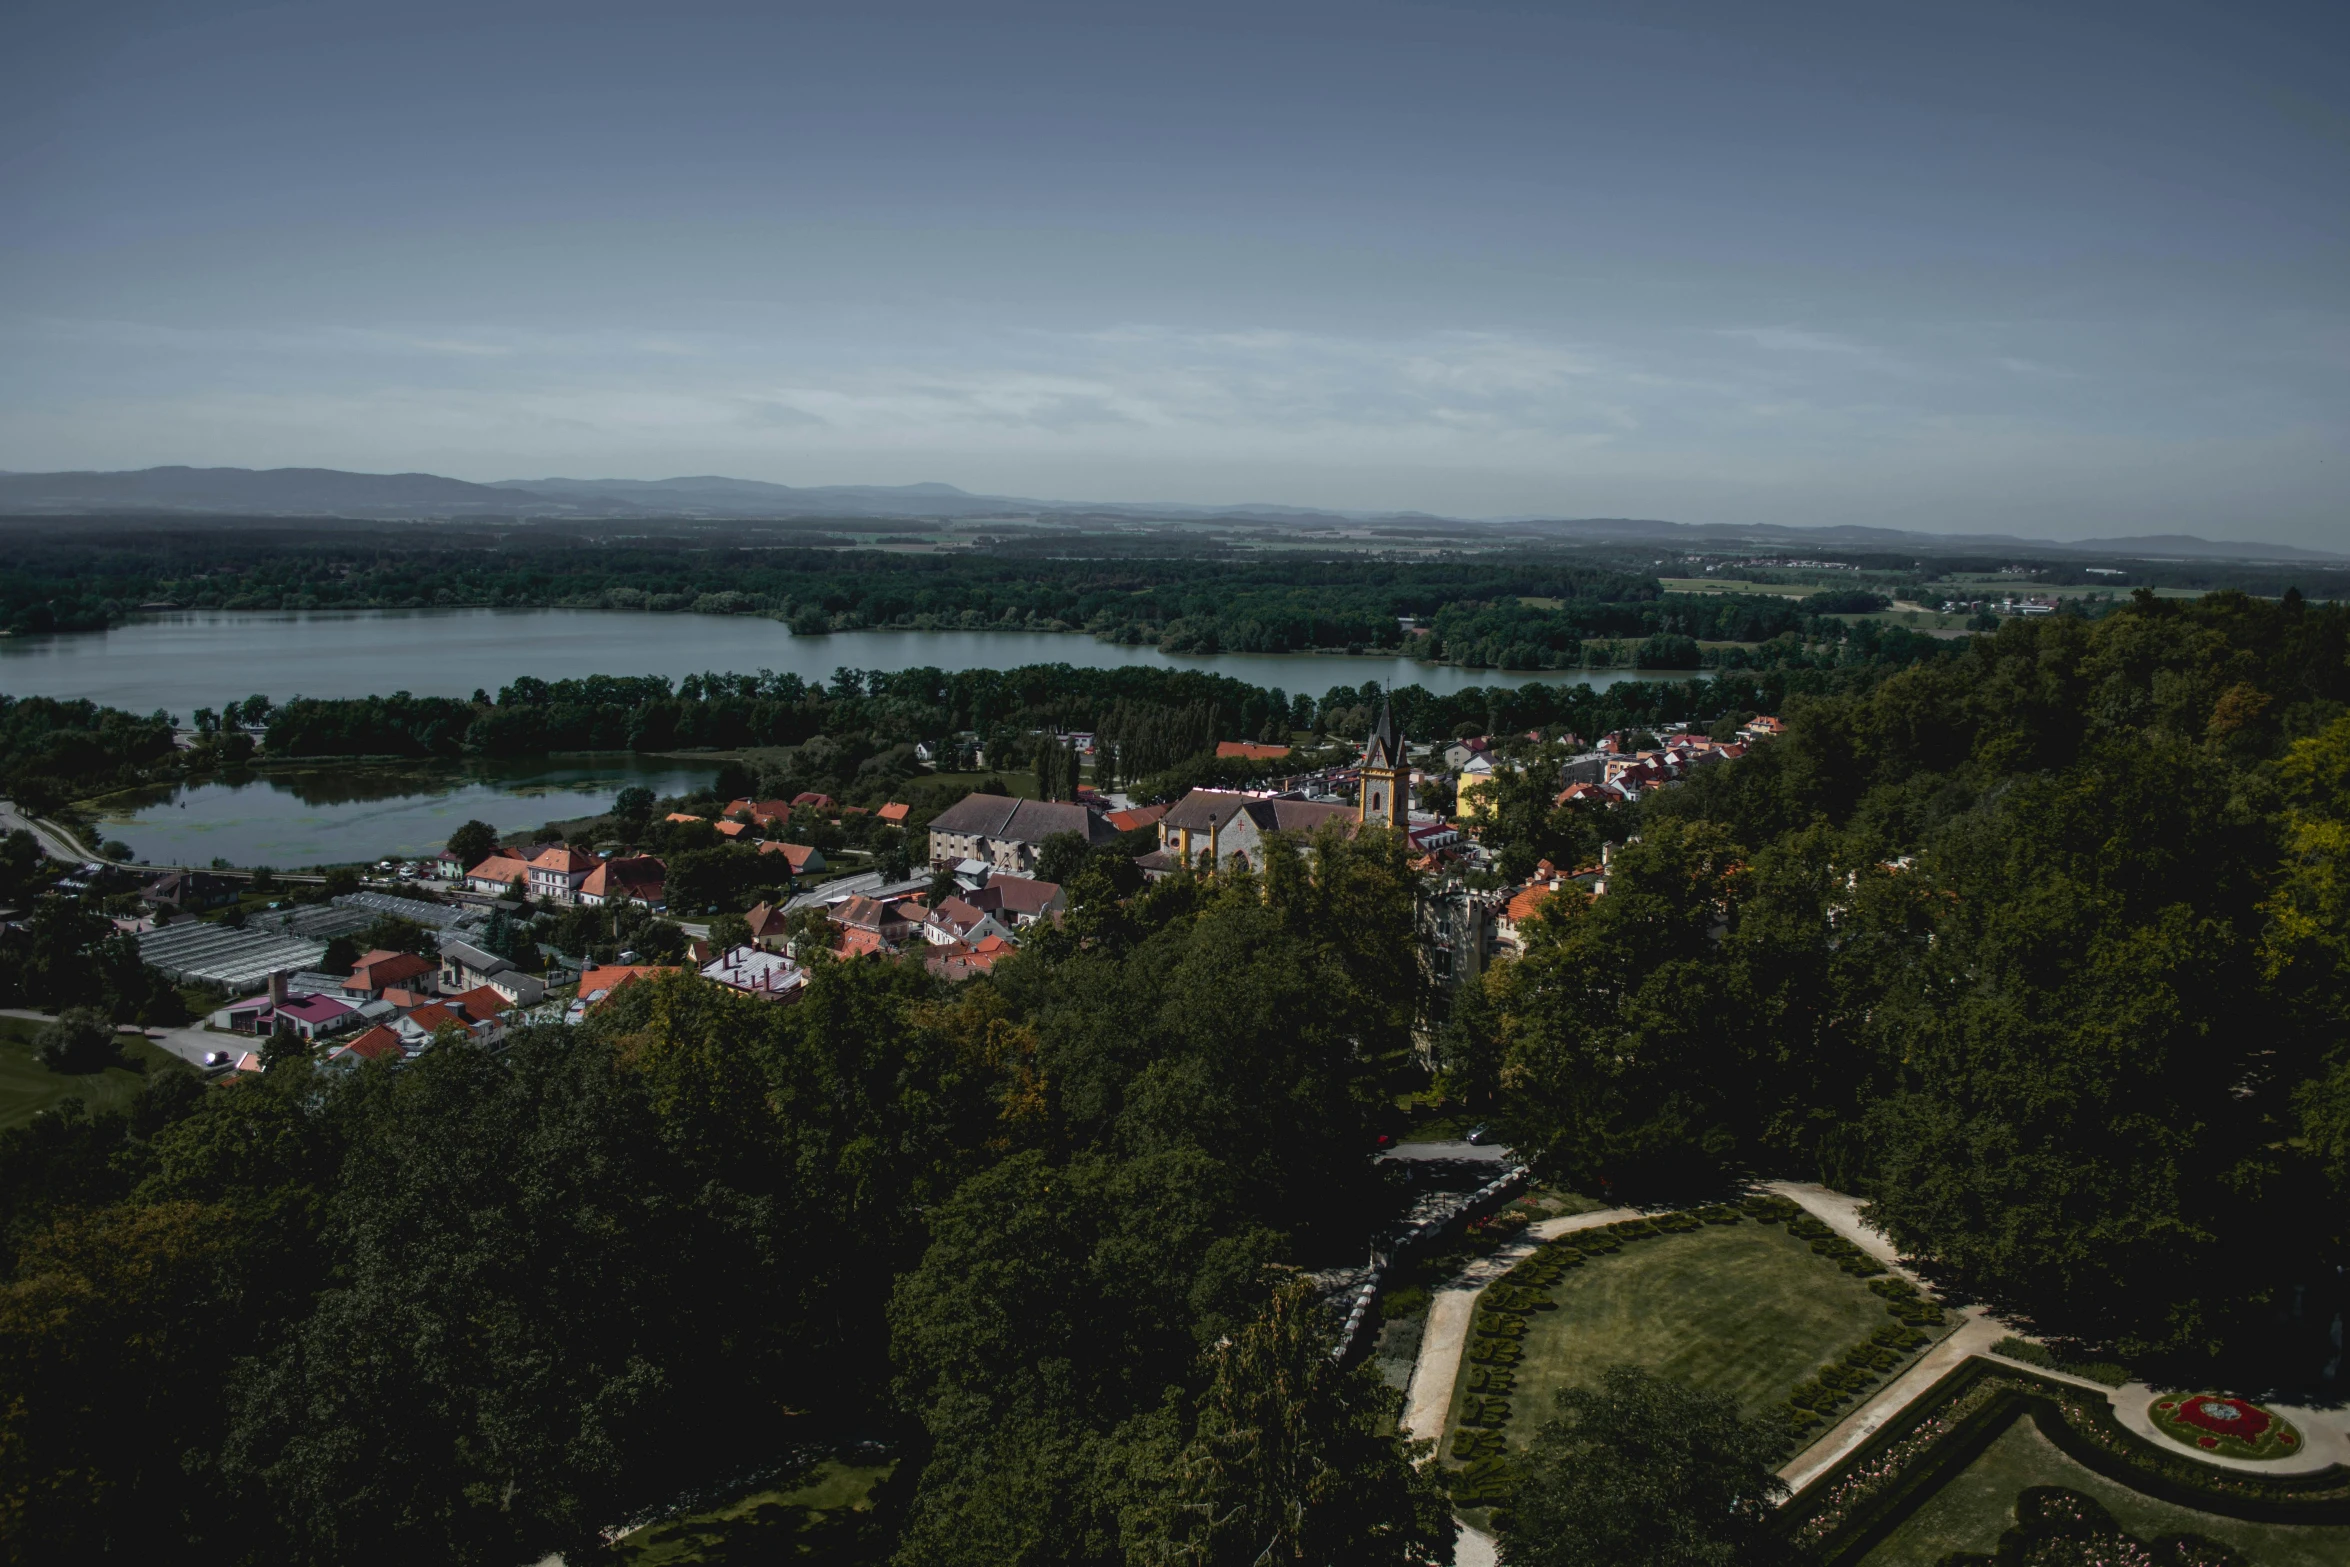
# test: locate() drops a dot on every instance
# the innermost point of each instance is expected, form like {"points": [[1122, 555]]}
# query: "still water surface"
{"points": [[180, 662], [337, 815]]}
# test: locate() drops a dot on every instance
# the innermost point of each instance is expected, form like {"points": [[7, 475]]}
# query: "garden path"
{"points": [[1450, 1311]]}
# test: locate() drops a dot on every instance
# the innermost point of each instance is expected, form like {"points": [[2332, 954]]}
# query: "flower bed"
{"points": [[2227, 1427]]}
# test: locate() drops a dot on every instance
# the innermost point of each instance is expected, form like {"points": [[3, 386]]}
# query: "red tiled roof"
{"points": [[822, 802], [375, 1044], [895, 813], [730, 829], [501, 867], [1250, 750], [431, 1018], [378, 970], [681, 816], [481, 1003], [609, 977], [796, 855], [562, 857], [1139, 816]]}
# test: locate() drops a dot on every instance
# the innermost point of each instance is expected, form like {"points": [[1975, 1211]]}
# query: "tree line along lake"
{"points": [[178, 662]]}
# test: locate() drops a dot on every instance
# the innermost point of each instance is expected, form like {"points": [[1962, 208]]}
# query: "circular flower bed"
{"points": [[2226, 1427]]}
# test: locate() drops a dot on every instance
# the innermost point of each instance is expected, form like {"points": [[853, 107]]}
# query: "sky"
{"points": [[2062, 269]]}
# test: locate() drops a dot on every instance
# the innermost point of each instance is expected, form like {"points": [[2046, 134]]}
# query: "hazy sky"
{"points": [[2058, 268]]}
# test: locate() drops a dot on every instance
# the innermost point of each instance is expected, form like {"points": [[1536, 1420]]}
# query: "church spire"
{"points": [[1384, 788]]}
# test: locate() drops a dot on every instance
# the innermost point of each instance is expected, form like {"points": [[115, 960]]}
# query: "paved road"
{"points": [[55, 841], [191, 1045]]}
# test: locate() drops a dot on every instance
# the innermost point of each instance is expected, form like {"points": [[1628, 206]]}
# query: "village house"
{"points": [[894, 814], [466, 967], [638, 878], [762, 813], [961, 960], [556, 872], [755, 971], [957, 920], [379, 971], [1005, 832], [799, 858], [502, 874], [767, 923], [1019, 900], [191, 891]]}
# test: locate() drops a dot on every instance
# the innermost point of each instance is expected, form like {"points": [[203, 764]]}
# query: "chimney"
{"points": [[277, 988]]}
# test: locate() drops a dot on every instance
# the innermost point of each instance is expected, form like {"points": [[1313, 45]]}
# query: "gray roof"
{"points": [[473, 957], [1020, 821]]}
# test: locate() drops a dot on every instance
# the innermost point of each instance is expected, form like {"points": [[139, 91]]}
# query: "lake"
{"points": [[332, 815], [182, 661]]}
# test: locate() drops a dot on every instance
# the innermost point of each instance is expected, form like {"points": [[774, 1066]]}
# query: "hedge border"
{"points": [[2080, 1424]]}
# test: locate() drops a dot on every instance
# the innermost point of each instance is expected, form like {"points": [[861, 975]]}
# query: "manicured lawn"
{"points": [[817, 1522], [27, 1087], [1971, 1512], [1743, 1309]]}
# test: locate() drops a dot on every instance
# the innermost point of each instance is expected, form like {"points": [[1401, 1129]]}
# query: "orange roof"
{"points": [[562, 857], [480, 1003], [501, 867], [379, 969], [796, 855], [895, 813], [375, 1044], [730, 829], [1528, 902], [1139, 816], [1250, 750], [681, 816], [431, 1018], [609, 977], [855, 941]]}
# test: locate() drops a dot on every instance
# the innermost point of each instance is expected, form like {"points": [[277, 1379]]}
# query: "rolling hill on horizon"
{"points": [[336, 493]]}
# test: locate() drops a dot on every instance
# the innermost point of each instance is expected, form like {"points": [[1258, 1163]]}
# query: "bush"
{"points": [[80, 1042]]}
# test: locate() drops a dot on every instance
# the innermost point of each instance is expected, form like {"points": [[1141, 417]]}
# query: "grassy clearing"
{"points": [[27, 1087], [1971, 1512], [821, 1522], [1746, 1310], [1021, 781]]}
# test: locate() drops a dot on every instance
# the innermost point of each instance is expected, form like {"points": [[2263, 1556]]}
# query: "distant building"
{"points": [[1006, 832], [1385, 771], [1251, 751], [1208, 828]]}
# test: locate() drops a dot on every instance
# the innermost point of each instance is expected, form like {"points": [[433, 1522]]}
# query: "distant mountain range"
{"points": [[329, 492]]}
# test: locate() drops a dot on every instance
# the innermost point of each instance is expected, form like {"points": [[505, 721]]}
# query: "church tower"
{"points": [[1386, 774]]}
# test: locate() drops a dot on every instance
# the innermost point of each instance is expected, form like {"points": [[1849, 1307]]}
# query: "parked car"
{"points": [[1480, 1135]]}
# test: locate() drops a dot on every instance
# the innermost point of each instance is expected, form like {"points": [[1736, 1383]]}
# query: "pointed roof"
{"points": [[1385, 747]]}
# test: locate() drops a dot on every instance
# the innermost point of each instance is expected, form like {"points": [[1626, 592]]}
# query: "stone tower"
{"points": [[1386, 775]]}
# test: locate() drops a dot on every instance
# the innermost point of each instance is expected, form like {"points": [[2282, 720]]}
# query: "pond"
{"points": [[336, 815], [182, 661]]}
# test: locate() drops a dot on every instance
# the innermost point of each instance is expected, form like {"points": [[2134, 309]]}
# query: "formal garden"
{"points": [[1757, 1301], [1997, 1464]]}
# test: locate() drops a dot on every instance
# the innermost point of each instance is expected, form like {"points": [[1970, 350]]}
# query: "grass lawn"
{"points": [[1744, 1309], [27, 1087], [1971, 1512], [1021, 781], [817, 1522]]}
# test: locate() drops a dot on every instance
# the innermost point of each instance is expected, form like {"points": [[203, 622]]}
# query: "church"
{"points": [[1212, 827]]}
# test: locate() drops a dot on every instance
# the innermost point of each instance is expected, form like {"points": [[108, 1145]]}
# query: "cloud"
{"points": [[1797, 340]]}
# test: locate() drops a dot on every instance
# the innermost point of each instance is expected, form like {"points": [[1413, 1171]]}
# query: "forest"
{"points": [[1218, 600], [2036, 942], [2040, 946]]}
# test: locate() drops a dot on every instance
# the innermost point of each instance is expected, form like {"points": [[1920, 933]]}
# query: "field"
{"points": [[1792, 590], [27, 1087], [818, 1522], [1970, 1513], [1746, 1310]]}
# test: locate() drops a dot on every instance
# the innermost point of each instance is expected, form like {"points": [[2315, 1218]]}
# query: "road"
{"points": [[191, 1045]]}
